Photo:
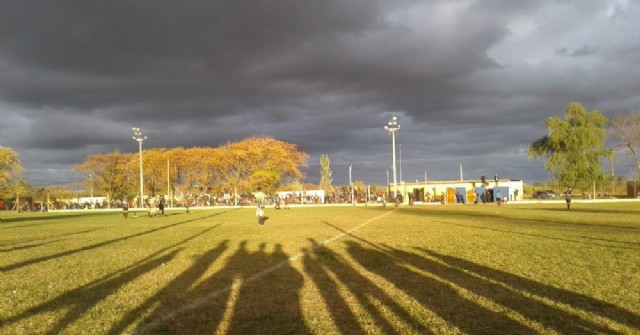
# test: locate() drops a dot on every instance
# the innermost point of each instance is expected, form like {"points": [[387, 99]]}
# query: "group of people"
{"points": [[154, 207], [260, 201]]}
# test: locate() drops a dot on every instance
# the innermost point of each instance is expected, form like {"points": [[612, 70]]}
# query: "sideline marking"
{"points": [[238, 284]]}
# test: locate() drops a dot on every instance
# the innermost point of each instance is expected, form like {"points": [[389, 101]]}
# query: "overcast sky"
{"points": [[471, 82]]}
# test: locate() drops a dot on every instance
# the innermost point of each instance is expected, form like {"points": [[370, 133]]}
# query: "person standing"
{"points": [[125, 207], [567, 197], [498, 198], [260, 202], [161, 205], [277, 202]]}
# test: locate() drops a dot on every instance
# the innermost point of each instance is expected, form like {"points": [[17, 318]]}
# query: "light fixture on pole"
{"points": [[392, 127], [137, 135]]}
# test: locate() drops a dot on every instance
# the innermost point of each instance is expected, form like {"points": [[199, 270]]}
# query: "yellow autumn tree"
{"points": [[110, 173], [10, 169], [262, 161]]}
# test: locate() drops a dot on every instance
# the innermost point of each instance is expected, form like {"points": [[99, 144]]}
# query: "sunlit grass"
{"points": [[515, 269]]}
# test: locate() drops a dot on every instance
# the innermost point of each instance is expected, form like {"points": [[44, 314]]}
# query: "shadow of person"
{"points": [[329, 271], [443, 299], [576, 300], [532, 309], [254, 293], [91, 294], [169, 297], [203, 306], [269, 301]]}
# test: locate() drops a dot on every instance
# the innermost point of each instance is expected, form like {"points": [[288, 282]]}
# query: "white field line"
{"points": [[237, 284]]}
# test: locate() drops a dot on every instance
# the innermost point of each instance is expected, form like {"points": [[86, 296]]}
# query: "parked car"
{"points": [[544, 195]]}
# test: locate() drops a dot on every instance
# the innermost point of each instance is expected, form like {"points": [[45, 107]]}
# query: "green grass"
{"points": [[515, 269]]}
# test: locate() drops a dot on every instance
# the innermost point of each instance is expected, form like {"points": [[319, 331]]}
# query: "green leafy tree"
{"points": [[325, 173], [574, 146]]}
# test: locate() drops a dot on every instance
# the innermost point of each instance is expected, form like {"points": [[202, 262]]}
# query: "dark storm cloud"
{"points": [[472, 81], [580, 52]]}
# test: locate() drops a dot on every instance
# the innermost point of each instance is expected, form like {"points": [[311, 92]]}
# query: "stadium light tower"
{"points": [[137, 135], [392, 127]]}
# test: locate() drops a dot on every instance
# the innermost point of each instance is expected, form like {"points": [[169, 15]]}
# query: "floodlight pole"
{"points": [[392, 127], [137, 135]]}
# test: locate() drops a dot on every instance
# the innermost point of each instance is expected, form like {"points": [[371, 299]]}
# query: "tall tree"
{"points": [[111, 173], [325, 174], [10, 169], [260, 160], [574, 146], [202, 167], [626, 128], [154, 169]]}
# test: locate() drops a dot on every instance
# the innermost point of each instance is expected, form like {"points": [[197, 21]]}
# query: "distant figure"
{"points": [[152, 211], [161, 206], [277, 201], [187, 203], [498, 198], [125, 207], [475, 201], [567, 197], [515, 195], [260, 202]]}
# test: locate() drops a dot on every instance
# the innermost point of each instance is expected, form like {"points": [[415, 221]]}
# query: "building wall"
{"points": [[433, 190]]}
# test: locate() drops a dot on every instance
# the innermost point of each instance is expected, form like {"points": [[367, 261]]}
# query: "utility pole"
{"points": [[351, 185], [91, 189], [137, 135], [392, 127], [401, 180]]}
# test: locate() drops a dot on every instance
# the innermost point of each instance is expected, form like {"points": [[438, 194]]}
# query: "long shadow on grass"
{"points": [[548, 316], [626, 244], [170, 294], [557, 220], [544, 314], [14, 266], [255, 293], [50, 237], [581, 209], [332, 274], [44, 217], [24, 247], [77, 302], [436, 295], [510, 295]]}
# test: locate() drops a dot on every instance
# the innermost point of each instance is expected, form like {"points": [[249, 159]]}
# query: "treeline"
{"points": [[237, 167]]}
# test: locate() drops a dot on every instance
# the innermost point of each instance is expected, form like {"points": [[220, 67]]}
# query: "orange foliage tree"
{"points": [[109, 173], [238, 167]]}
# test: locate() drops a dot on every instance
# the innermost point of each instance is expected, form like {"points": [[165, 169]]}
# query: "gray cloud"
{"points": [[472, 82]]}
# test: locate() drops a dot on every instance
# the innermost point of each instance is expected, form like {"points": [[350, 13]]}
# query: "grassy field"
{"points": [[515, 269]]}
